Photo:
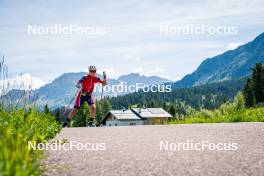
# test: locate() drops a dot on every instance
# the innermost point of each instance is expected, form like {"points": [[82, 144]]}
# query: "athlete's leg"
{"points": [[72, 113], [70, 116], [93, 111], [78, 104]]}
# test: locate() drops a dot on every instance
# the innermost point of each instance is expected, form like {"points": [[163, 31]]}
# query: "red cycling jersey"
{"points": [[88, 83]]}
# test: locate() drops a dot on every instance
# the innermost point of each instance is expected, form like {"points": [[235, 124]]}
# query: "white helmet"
{"points": [[92, 68]]}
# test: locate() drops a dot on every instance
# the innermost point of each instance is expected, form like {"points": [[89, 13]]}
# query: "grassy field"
{"points": [[17, 127], [244, 115]]}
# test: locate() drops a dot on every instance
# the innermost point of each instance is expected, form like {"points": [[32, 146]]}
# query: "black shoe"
{"points": [[65, 124], [92, 125], [91, 122]]}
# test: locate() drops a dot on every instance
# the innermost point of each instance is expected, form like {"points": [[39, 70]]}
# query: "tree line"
{"points": [[209, 96]]}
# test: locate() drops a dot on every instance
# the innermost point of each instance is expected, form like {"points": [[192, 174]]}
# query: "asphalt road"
{"points": [[136, 150]]}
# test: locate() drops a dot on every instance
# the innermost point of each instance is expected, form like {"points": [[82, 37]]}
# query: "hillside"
{"points": [[232, 64], [208, 96]]}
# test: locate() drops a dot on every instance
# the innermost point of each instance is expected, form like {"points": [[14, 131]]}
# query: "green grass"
{"points": [[244, 115], [17, 127]]}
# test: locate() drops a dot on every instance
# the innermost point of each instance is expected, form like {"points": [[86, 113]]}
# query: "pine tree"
{"points": [[106, 106], [166, 106], [46, 109], [82, 117], [98, 112], [249, 95], [258, 82], [58, 115], [172, 110]]}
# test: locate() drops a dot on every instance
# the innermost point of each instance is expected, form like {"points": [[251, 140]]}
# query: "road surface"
{"points": [[143, 150]]}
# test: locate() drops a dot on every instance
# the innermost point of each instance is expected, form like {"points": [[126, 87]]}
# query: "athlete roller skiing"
{"points": [[85, 94]]}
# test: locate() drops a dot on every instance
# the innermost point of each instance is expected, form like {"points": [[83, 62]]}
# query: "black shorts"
{"points": [[84, 97]]}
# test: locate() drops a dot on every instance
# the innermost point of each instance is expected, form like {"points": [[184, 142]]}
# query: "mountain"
{"points": [[61, 90], [232, 64], [134, 78]]}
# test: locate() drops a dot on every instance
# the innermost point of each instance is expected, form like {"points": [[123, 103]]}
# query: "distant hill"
{"points": [[232, 64]]}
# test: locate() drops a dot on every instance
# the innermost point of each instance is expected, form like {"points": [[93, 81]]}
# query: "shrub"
{"points": [[228, 112], [239, 101], [17, 128], [20, 126]]}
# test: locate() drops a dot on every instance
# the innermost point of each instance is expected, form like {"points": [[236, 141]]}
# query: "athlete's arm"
{"points": [[79, 83], [103, 82]]}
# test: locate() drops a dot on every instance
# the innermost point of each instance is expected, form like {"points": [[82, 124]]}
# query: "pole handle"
{"points": [[104, 74]]}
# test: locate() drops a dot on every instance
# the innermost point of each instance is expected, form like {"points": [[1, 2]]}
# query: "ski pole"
{"points": [[102, 93], [77, 92]]}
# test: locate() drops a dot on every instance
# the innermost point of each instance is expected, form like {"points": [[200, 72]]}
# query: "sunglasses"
{"points": [[93, 71]]}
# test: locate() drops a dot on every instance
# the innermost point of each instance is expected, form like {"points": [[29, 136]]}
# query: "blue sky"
{"points": [[132, 42]]}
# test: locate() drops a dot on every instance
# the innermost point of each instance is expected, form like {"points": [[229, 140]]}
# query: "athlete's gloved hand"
{"points": [[78, 85], [104, 83]]}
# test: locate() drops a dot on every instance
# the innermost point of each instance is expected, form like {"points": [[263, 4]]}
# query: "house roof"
{"points": [[124, 115], [151, 112], [137, 114]]}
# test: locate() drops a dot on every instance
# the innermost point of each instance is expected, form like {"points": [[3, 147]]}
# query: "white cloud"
{"points": [[132, 58], [138, 70], [22, 82], [158, 70]]}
